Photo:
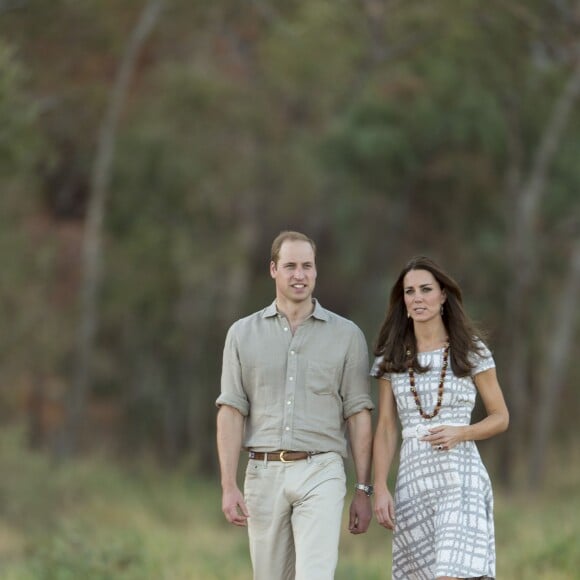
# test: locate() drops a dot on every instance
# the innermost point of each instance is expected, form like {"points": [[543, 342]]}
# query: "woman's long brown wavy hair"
{"points": [[397, 335]]}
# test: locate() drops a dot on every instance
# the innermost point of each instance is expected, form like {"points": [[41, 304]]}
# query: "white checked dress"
{"points": [[443, 499]]}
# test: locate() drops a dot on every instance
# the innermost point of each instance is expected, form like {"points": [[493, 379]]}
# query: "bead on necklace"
{"points": [[439, 390]]}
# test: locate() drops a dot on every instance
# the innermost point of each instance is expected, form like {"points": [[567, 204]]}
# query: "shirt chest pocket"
{"points": [[322, 379]]}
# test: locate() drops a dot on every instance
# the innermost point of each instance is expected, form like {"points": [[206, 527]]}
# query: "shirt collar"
{"points": [[319, 312], [270, 311]]}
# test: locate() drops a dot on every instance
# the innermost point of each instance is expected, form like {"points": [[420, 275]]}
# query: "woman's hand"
{"points": [[385, 508], [445, 437]]}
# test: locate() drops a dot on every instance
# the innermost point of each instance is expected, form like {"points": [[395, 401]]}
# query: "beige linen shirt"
{"points": [[295, 390]]}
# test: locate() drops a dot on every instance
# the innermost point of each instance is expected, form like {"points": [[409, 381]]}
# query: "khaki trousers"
{"points": [[295, 516]]}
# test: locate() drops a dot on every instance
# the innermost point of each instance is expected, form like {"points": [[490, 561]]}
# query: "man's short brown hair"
{"points": [[290, 236]]}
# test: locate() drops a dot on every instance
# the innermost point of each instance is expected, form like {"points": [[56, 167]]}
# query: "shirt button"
{"points": [[287, 428], [291, 378], [292, 352], [289, 403], [285, 328]]}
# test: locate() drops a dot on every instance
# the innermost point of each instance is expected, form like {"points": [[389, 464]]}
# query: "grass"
{"points": [[92, 520]]}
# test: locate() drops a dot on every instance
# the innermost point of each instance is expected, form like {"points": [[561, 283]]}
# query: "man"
{"points": [[294, 376]]}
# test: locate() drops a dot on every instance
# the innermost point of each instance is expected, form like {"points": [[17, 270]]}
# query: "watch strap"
{"points": [[364, 487]]}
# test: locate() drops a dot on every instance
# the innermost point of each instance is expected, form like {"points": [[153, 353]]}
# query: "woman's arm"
{"points": [[498, 417], [496, 421], [384, 447]]}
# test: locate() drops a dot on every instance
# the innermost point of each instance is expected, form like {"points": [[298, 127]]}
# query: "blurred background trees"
{"points": [[381, 128]]}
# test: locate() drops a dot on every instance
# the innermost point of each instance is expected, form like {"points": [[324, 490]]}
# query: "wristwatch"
{"points": [[368, 489]]}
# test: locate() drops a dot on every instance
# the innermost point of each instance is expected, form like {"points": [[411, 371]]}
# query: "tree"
{"points": [[100, 182]]}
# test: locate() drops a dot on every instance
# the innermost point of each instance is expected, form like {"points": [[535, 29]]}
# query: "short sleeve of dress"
{"points": [[482, 360], [375, 369]]}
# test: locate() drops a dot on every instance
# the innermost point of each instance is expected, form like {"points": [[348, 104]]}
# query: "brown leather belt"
{"points": [[283, 456]]}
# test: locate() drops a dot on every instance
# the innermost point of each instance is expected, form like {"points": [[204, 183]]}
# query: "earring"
{"points": [[441, 310], [408, 314]]}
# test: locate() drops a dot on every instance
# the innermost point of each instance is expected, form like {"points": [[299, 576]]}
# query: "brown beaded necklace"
{"points": [[439, 390]]}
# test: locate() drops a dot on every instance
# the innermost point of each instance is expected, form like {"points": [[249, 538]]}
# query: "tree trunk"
{"points": [[553, 379], [91, 263], [523, 265]]}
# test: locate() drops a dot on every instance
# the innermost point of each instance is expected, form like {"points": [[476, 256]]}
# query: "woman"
{"points": [[430, 364]]}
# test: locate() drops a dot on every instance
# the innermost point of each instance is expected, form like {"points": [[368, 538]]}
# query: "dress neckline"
{"points": [[431, 351]]}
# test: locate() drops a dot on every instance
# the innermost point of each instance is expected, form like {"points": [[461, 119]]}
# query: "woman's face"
{"points": [[423, 295]]}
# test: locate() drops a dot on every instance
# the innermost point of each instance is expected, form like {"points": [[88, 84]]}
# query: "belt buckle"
{"points": [[285, 460], [421, 431]]}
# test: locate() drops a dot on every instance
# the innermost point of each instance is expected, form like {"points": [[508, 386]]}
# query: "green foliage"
{"points": [[372, 142], [383, 129], [17, 115], [97, 521], [75, 553], [559, 554]]}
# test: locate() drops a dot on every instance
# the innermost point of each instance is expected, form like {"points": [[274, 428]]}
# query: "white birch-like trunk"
{"points": [[560, 341], [92, 242], [523, 262]]}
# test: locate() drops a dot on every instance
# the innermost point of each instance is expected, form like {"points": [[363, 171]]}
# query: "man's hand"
{"points": [[360, 513], [234, 507]]}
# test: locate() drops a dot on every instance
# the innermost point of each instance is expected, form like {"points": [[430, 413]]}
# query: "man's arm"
{"points": [[230, 429], [361, 441]]}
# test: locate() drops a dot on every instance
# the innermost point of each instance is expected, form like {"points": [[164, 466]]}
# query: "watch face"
{"points": [[368, 489]]}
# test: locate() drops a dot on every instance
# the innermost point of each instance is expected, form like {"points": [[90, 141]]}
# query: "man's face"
{"points": [[295, 272]]}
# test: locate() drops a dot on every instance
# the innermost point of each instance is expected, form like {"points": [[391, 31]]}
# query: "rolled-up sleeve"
{"points": [[355, 387], [232, 388]]}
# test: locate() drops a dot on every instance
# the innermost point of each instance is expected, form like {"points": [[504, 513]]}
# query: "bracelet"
{"points": [[365, 487]]}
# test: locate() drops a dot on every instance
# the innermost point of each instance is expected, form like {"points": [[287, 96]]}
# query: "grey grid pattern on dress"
{"points": [[443, 499]]}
